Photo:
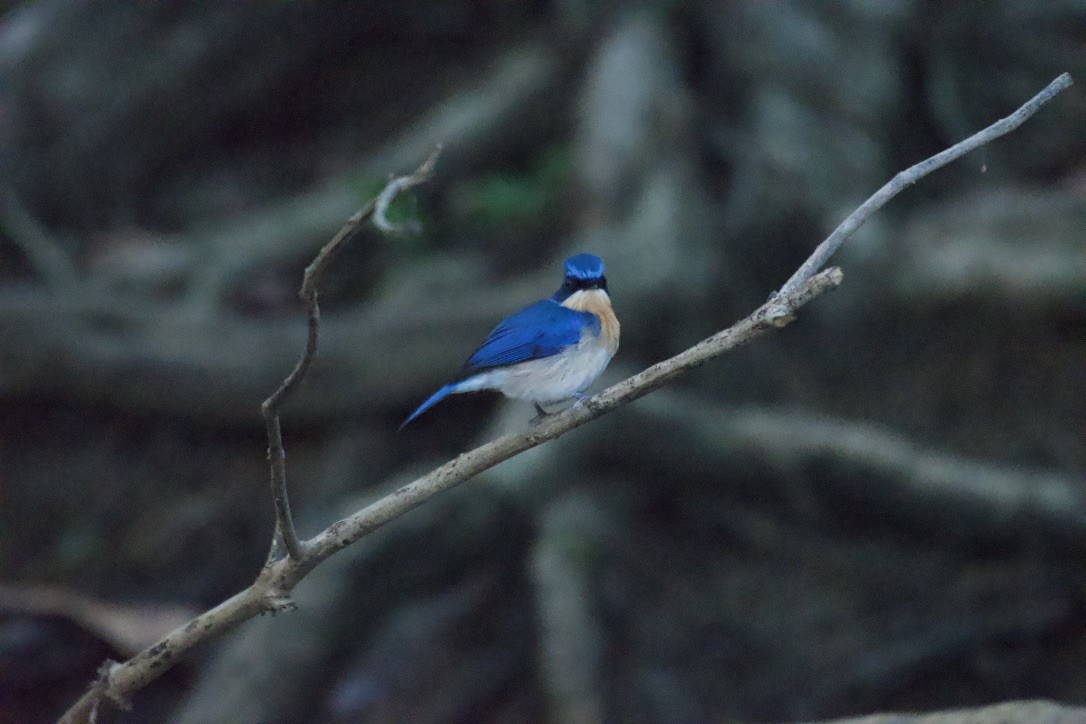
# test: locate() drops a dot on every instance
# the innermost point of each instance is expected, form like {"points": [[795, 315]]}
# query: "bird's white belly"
{"points": [[550, 379]]}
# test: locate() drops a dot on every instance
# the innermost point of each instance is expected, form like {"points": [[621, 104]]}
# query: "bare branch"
{"points": [[913, 174], [279, 577], [270, 592], [277, 457], [469, 464]]}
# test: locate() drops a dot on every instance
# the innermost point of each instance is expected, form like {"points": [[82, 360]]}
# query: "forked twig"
{"points": [[277, 456], [914, 173]]}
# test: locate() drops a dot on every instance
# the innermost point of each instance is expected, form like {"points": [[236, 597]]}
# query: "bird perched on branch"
{"points": [[548, 352]]}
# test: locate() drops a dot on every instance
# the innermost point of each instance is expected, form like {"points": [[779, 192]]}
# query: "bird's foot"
{"points": [[578, 398], [543, 414]]}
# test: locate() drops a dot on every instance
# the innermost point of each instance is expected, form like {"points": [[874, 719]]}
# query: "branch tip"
{"points": [[397, 186], [914, 173]]}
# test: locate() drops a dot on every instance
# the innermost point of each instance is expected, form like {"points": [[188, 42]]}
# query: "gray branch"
{"points": [[277, 456], [913, 174], [272, 588]]}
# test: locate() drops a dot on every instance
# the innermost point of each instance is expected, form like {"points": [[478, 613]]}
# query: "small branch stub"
{"points": [[781, 309], [280, 602], [105, 671]]}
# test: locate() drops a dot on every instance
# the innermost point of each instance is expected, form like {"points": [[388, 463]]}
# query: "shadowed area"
{"points": [[882, 507]]}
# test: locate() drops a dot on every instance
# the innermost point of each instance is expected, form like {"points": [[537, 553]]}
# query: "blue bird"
{"points": [[547, 352]]}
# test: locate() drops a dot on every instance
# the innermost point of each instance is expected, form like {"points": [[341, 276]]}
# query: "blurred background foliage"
{"points": [[881, 507]]}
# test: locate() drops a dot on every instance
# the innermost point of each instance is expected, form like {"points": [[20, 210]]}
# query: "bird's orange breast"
{"points": [[596, 301]]}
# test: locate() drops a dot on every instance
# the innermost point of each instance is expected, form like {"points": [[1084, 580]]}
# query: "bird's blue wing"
{"points": [[541, 330]]}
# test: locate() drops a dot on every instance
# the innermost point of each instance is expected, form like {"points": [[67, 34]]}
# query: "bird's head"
{"points": [[583, 272]]}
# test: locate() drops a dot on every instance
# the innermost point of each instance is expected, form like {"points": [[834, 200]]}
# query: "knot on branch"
{"points": [[102, 685], [781, 308], [277, 602], [779, 315]]}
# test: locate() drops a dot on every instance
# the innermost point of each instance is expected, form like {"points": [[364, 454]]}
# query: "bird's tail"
{"points": [[431, 401]]}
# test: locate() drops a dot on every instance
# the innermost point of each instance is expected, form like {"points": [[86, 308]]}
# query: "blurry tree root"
{"points": [[1013, 711], [778, 558], [182, 359], [128, 628], [896, 472], [219, 367], [178, 359], [1020, 246], [43, 252], [571, 636]]}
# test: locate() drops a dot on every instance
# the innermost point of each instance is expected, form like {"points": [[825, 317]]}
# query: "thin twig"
{"points": [[271, 590], [913, 174], [377, 208], [277, 457]]}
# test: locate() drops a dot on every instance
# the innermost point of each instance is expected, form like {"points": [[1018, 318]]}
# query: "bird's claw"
{"points": [[578, 399], [543, 414]]}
